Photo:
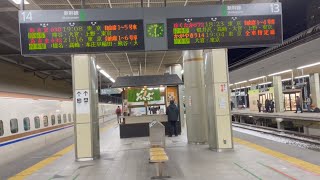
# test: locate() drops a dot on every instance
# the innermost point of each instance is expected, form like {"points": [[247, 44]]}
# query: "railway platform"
{"points": [[121, 159], [306, 116]]}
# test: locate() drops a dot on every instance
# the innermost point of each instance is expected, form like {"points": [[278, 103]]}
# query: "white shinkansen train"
{"points": [[29, 123]]}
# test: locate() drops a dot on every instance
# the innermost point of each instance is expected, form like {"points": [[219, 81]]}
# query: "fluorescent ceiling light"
{"points": [[19, 1], [248, 87], [257, 78], [281, 72], [182, 71], [298, 77], [288, 79], [98, 67], [241, 82], [112, 80], [230, 84], [310, 65], [264, 83]]}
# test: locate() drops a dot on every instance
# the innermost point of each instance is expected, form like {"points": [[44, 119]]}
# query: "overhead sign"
{"points": [[216, 32], [82, 37], [150, 29]]}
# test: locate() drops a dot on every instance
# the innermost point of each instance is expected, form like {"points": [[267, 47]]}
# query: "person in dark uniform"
{"points": [[173, 115]]}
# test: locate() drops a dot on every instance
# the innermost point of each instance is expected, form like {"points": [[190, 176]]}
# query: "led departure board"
{"points": [[82, 37], [241, 31]]}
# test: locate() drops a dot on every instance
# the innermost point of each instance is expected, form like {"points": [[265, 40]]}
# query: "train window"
{"points": [[53, 120], [37, 122], [45, 121], [69, 117], [59, 119], [14, 126], [1, 128], [26, 124], [64, 118]]}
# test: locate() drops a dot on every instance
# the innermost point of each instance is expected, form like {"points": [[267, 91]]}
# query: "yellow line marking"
{"points": [[29, 171], [297, 162]]}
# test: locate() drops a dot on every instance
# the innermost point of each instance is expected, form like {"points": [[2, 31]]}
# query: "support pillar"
{"points": [[85, 97], [315, 89], [197, 125], [278, 94], [218, 99]]}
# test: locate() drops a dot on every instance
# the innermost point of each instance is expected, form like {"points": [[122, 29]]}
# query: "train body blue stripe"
{"points": [[33, 136]]}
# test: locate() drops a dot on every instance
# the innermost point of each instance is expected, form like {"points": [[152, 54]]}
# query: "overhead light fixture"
{"points": [[98, 67], [264, 83], [257, 78], [281, 72], [310, 65], [230, 84], [112, 80], [299, 77], [107, 75], [248, 86], [19, 1], [241, 82], [182, 71], [288, 79]]}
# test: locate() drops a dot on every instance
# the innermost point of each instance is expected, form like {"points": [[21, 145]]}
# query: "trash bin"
{"points": [[157, 134]]}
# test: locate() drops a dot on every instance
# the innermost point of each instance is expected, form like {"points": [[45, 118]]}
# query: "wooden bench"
{"points": [[158, 156]]}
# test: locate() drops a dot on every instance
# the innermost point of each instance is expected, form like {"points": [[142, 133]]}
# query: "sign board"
{"points": [[82, 101], [82, 37], [150, 29], [216, 32], [143, 95]]}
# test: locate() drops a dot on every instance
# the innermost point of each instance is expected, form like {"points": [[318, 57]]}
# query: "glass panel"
{"points": [[14, 126], [69, 117], [293, 102], [37, 122], [64, 118], [1, 128], [53, 120], [45, 121], [59, 119], [26, 123]]}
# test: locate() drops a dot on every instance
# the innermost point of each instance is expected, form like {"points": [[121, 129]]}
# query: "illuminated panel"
{"points": [[242, 31], [82, 37]]}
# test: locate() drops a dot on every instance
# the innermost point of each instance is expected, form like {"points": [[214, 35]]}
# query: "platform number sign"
{"points": [[26, 16], [275, 8]]}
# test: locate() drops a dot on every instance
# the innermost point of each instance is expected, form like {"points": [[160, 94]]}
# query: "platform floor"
{"points": [[127, 159], [286, 114]]}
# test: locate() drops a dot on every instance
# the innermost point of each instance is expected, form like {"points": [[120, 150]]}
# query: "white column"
{"points": [[278, 94], [197, 124], [218, 99], [87, 145], [315, 89]]}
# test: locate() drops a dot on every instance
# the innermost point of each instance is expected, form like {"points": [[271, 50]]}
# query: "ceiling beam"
{"points": [[110, 5], [129, 63], [111, 62], [185, 3], [70, 4], [145, 62], [161, 61]]}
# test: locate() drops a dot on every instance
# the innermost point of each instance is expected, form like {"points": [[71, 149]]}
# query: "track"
{"points": [[296, 136]]}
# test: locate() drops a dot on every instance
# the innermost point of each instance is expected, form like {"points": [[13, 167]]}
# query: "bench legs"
{"points": [[159, 167]]}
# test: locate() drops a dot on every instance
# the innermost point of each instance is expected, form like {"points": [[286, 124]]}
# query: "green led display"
{"points": [[155, 30]]}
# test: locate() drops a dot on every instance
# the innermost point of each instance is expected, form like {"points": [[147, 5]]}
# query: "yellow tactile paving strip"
{"points": [[29, 171], [297, 162]]}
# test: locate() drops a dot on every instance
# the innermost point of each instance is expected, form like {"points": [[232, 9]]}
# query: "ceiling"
{"points": [[115, 64], [307, 53]]}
